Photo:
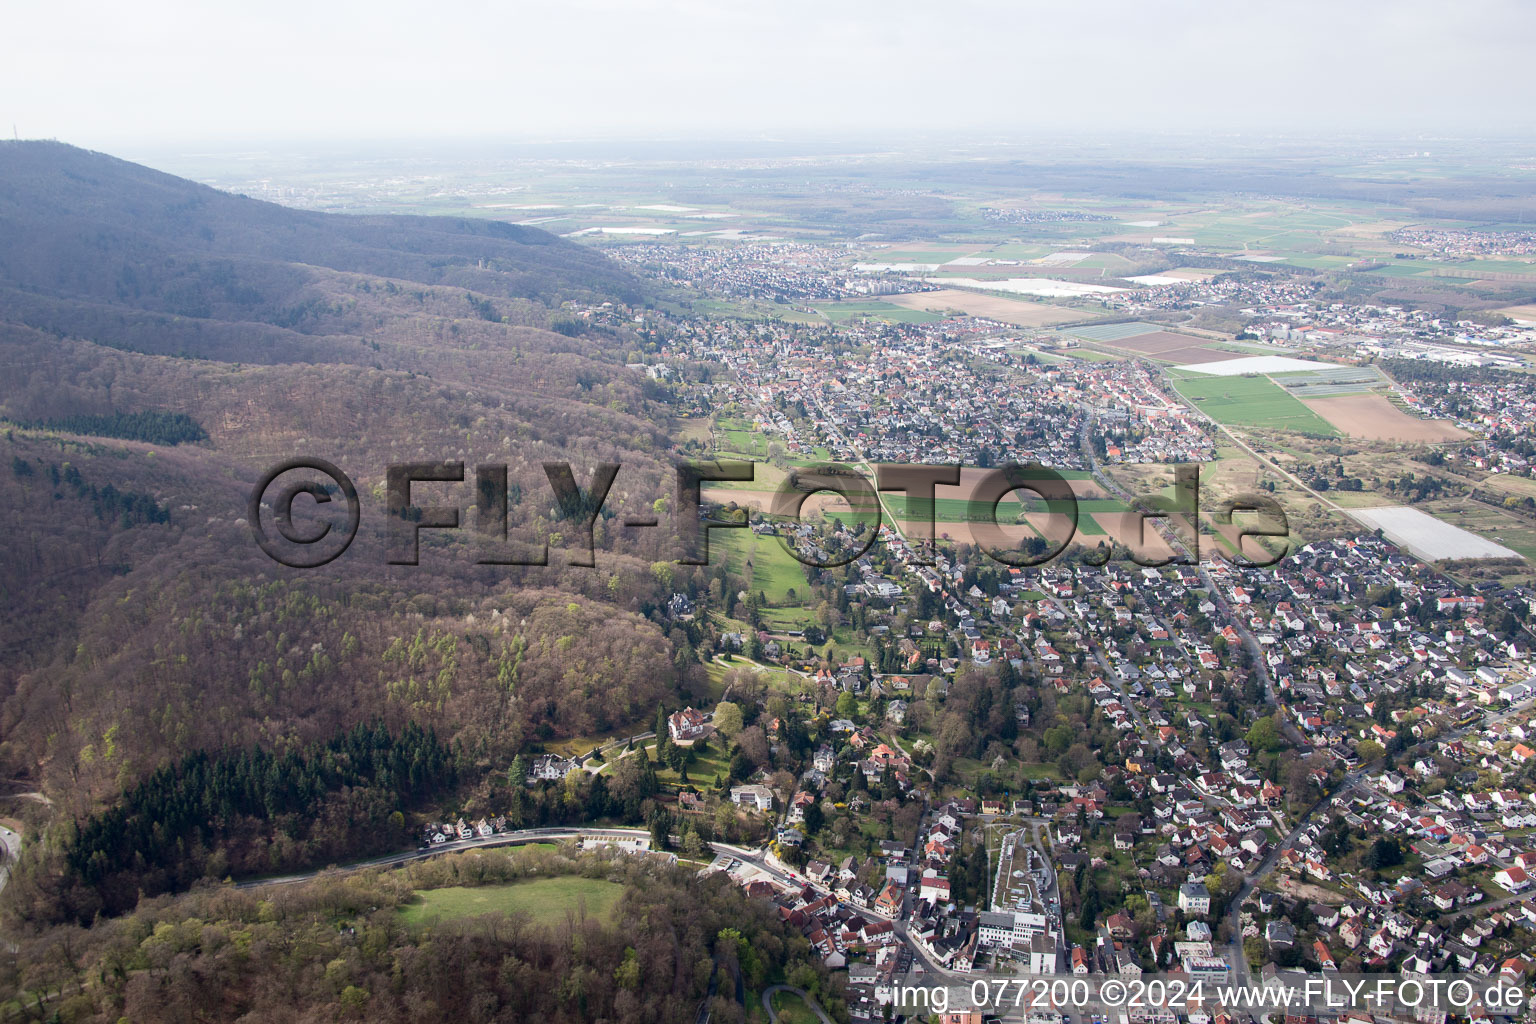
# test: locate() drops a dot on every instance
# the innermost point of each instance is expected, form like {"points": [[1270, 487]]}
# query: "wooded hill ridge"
{"points": [[83, 226], [166, 343]]}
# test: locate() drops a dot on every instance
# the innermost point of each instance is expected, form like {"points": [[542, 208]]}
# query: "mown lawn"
{"points": [[775, 571], [701, 772], [791, 1009], [545, 900]]}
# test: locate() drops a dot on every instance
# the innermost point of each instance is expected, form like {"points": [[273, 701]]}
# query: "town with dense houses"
{"points": [[1104, 763], [894, 513]]}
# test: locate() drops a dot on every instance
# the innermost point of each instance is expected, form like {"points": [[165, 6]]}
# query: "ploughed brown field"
{"points": [[1526, 312], [1188, 274], [993, 307], [1376, 419], [1166, 345]]}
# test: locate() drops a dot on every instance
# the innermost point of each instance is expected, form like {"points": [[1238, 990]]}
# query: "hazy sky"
{"points": [[151, 73]]}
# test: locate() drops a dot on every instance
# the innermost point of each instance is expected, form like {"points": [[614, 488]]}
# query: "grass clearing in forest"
{"points": [[545, 900], [775, 571]]}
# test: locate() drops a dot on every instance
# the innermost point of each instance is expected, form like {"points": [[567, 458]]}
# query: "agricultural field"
{"points": [[1090, 355], [1040, 355], [1267, 364], [874, 309], [1493, 269], [1375, 418], [1014, 251], [955, 504], [1171, 347], [694, 429], [754, 309], [760, 500], [1235, 473], [1252, 402], [1525, 313], [1152, 341], [1020, 312], [766, 478], [1111, 333], [1110, 262], [962, 510], [1188, 273], [1495, 525], [1331, 381], [1438, 536], [1401, 270], [1040, 286], [545, 900], [935, 254]]}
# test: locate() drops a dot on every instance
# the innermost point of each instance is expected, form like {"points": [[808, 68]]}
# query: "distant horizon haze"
{"points": [[171, 76]]}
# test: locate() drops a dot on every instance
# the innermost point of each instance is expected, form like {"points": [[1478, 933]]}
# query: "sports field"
{"points": [[545, 900], [1251, 402]]}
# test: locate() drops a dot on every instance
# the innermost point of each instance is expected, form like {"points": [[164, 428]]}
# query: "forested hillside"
{"points": [[164, 345], [341, 949]]}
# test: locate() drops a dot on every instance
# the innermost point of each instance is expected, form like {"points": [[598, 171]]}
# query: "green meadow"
{"points": [[774, 570], [545, 900], [1250, 402], [838, 312]]}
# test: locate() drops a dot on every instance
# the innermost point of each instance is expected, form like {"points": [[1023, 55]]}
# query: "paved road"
{"points": [[12, 841], [771, 990], [1351, 781], [1176, 542], [585, 760], [530, 835], [1239, 959]]}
